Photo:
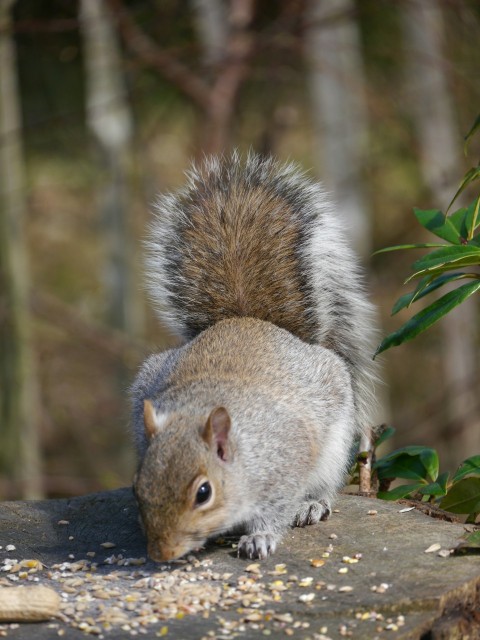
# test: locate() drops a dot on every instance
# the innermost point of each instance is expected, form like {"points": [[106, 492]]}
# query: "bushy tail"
{"points": [[260, 239]]}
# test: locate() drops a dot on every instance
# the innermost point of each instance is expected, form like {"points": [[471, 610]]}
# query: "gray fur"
{"points": [[340, 314], [296, 405], [280, 415]]}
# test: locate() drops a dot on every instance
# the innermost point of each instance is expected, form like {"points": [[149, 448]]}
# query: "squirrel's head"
{"points": [[180, 485]]}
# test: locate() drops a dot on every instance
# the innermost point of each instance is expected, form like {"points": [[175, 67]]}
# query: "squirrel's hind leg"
{"points": [[312, 511]]}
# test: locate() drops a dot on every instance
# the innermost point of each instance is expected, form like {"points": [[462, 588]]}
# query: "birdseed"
{"points": [[103, 595]]}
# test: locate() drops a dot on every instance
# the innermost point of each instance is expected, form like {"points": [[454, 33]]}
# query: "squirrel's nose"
{"points": [[163, 552]]}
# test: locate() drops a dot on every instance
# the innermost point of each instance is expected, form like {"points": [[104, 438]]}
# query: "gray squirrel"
{"points": [[249, 424]]}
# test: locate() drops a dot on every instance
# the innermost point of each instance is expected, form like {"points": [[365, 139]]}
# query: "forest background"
{"points": [[103, 103]]}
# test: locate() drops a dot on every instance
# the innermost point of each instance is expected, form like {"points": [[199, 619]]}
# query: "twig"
{"points": [[147, 50], [431, 510], [111, 341], [231, 75]]}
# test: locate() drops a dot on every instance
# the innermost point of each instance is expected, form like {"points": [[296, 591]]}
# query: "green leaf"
{"points": [[438, 488], [398, 247], [429, 459], [411, 450], [468, 467], [436, 222], [455, 228], [438, 271], [388, 433], [471, 221], [473, 539], [399, 492], [461, 220], [471, 133], [403, 467], [463, 497], [403, 302], [457, 256], [465, 221], [407, 299], [428, 316], [426, 285], [471, 175], [404, 463], [471, 544]]}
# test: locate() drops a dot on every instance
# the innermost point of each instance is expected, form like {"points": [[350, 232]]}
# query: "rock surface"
{"points": [[370, 576]]}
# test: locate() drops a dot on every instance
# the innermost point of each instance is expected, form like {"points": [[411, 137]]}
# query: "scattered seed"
{"points": [[444, 553], [307, 597], [406, 509], [280, 569], [333, 536], [63, 523], [253, 568], [381, 588], [129, 602], [433, 547], [283, 617], [305, 582], [317, 562], [253, 617], [372, 512]]}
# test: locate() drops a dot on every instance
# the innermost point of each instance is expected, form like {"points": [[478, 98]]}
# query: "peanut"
{"points": [[28, 604]]}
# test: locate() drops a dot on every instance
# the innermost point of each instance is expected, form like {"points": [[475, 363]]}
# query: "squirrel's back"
{"points": [[259, 239]]}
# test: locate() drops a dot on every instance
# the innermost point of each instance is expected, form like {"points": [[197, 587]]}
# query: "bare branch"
{"points": [[238, 52], [144, 48], [111, 342]]}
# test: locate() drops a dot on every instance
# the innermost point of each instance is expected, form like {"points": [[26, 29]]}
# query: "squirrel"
{"points": [[250, 423]]}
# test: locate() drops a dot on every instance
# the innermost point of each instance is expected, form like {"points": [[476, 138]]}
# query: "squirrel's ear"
{"points": [[216, 430], [152, 420]]}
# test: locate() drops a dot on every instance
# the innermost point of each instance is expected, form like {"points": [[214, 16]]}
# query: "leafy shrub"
{"points": [[460, 249], [460, 232], [420, 465]]}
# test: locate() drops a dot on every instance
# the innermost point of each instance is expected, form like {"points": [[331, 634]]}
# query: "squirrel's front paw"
{"points": [[311, 512], [257, 545]]}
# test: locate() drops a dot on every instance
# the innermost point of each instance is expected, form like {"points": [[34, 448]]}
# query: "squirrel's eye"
{"points": [[203, 494]]}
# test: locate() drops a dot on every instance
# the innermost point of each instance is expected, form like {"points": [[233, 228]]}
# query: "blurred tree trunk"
{"points": [[336, 78], [211, 26], [232, 70], [440, 158], [109, 120], [19, 395], [215, 96], [337, 88]]}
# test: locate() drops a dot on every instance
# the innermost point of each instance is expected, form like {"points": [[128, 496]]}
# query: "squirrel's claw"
{"points": [[311, 512], [257, 545]]}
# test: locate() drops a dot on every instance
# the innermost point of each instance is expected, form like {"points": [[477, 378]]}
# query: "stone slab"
{"points": [[395, 590]]}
